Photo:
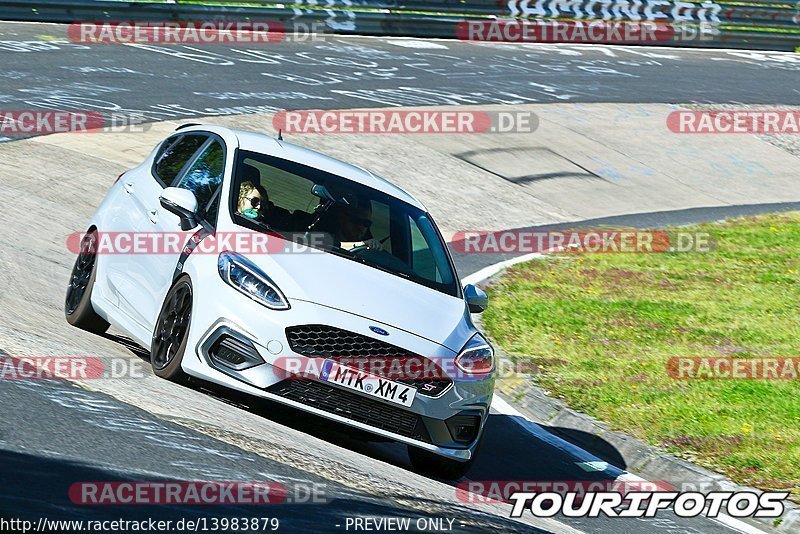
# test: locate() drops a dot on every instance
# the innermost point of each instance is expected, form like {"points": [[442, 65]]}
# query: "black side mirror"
{"points": [[477, 299]]}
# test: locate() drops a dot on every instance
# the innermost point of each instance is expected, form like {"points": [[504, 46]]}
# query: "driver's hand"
{"points": [[373, 244]]}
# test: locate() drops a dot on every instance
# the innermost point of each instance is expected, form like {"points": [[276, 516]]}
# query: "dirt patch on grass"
{"points": [[700, 443]]}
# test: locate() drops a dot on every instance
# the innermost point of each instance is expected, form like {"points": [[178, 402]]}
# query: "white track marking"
{"points": [[492, 270]]}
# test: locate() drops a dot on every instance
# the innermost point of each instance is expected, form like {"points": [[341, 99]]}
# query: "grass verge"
{"points": [[602, 327]]}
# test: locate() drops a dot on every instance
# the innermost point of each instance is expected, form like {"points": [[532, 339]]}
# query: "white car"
{"points": [[355, 313]]}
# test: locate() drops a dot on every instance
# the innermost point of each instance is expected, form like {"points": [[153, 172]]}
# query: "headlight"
{"points": [[246, 278], [477, 356]]}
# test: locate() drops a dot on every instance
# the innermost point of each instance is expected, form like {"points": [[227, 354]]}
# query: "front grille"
{"points": [[354, 407], [321, 341]]}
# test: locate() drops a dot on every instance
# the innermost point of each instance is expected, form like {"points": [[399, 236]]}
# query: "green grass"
{"points": [[601, 328]]}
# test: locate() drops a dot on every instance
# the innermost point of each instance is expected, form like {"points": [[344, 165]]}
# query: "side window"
{"points": [[204, 177], [176, 155]]}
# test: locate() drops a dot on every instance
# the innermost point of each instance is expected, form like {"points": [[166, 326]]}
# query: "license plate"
{"points": [[372, 385]]}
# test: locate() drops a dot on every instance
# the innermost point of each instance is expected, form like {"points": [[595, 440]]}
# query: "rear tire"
{"points": [[171, 333], [78, 308]]}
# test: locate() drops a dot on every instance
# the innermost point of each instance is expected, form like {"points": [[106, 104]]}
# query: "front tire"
{"points": [[171, 333], [78, 308]]}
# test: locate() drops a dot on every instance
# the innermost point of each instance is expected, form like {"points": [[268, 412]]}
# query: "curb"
{"points": [[644, 460]]}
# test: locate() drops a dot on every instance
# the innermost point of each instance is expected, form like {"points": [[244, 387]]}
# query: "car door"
{"points": [[131, 275], [202, 176]]}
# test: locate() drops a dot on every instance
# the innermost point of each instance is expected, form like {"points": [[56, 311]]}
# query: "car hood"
{"points": [[329, 280]]}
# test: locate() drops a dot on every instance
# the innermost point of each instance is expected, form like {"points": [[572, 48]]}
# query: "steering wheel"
{"points": [[362, 248]]}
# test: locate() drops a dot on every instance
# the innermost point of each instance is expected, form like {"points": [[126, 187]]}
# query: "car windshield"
{"points": [[341, 217]]}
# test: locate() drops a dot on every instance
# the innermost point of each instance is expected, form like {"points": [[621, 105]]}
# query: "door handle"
{"points": [[128, 186], [153, 216]]}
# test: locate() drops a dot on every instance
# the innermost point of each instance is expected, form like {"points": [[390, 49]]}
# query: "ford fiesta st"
{"points": [[353, 311]]}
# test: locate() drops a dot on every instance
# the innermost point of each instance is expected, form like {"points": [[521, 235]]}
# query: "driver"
{"points": [[351, 224], [252, 201]]}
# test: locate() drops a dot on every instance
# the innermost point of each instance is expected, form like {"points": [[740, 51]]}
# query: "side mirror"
{"points": [[182, 203], [477, 299]]}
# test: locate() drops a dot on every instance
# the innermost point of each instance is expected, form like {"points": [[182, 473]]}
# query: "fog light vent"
{"points": [[464, 428], [234, 353]]}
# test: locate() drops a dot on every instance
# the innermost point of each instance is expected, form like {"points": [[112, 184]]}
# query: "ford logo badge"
{"points": [[379, 331]]}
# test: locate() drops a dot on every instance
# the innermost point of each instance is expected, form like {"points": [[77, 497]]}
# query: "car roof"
{"points": [[264, 144]]}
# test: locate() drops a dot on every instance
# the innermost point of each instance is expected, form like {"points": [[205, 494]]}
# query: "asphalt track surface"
{"points": [[54, 433], [41, 68]]}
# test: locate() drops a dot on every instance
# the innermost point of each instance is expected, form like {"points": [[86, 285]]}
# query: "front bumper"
{"points": [[424, 424]]}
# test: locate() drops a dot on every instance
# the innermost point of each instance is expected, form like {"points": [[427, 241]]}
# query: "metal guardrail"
{"points": [[759, 25]]}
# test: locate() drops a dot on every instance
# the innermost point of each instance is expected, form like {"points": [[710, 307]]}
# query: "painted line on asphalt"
{"points": [[491, 270]]}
